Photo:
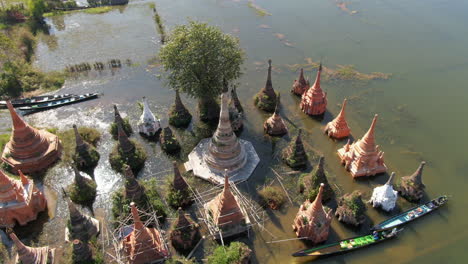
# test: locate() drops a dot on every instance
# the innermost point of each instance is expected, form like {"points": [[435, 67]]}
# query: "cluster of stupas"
{"points": [[148, 124]]}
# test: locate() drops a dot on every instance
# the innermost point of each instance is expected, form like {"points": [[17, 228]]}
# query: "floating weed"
{"points": [[260, 11]]}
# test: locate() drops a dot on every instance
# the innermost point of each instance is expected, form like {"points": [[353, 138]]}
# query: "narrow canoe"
{"points": [[36, 100], [46, 106]]}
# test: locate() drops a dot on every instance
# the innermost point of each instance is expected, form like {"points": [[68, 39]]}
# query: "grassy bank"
{"points": [[93, 10]]}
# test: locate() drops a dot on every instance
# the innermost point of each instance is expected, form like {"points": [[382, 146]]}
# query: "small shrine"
{"points": [[29, 149], [185, 234], [314, 100], [20, 200], [226, 214], [338, 127], [179, 116], [385, 196], [86, 157], [266, 98], [236, 112], [81, 252], [312, 222], [274, 126], [143, 244], [32, 255], [179, 194], [300, 86], [168, 141], [148, 124], [311, 183], [294, 155], [363, 157], [411, 187], [82, 226], [82, 190], [224, 151], [134, 191], [351, 209]]}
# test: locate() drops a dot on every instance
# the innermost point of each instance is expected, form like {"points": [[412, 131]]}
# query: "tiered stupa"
{"points": [[312, 182], [266, 98], [226, 213], [314, 100], [20, 201], [86, 156], [274, 126], [363, 157], [29, 149], [223, 151], [295, 156], [32, 255], [179, 182], [143, 244], [312, 222], [185, 234], [82, 252], [134, 191], [411, 187], [83, 227], [300, 86], [179, 116], [235, 100], [385, 196], [338, 127], [148, 124]]}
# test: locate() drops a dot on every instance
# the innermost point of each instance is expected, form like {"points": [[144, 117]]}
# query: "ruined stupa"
{"points": [[179, 194], [86, 157], [266, 98], [300, 86], [351, 209], [29, 150], [385, 196], [143, 244], [363, 157], [312, 222], [311, 183], [236, 112], [294, 155], [223, 151], [185, 234], [226, 213], [127, 152], [179, 116], [82, 190], [148, 124], [82, 226], [134, 191], [314, 100], [123, 122], [20, 200], [411, 187], [32, 255], [274, 126], [81, 252], [338, 127], [168, 141]]}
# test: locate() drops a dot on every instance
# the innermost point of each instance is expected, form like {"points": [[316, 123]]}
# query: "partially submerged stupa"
{"points": [[32, 255], [143, 244], [20, 201], [411, 187], [385, 196], [294, 155], [179, 116], [185, 234], [148, 124], [274, 126], [236, 112], [29, 150], [266, 98], [312, 183], [363, 157], [312, 222], [224, 151], [168, 141], [86, 156], [338, 127], [351, 209], [123, 122], [300, 86], [179, 194], [225, 212], [134, 191], [81, 252], [314, 100], [82, 226]]}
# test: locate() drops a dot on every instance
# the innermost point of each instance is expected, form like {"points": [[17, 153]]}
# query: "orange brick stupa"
{"points": [[20, 201], [29, 149], [300, 86], [32, 255], [338, 127], [363, 157], [312, 221], [314, 100], [143, 244]]}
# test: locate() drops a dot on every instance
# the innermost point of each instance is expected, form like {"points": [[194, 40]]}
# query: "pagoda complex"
{"points": [[338, 127], [312, 222], [30, 150], [20, 201], [143, 244], [32, 255], [300, 86], [226, 213], [314, 100], [224, 151], [411, 187], [363, 157], [266, 98], [274, 126]]}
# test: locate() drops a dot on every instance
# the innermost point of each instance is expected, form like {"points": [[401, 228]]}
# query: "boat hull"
{"points": [[50, 105]]}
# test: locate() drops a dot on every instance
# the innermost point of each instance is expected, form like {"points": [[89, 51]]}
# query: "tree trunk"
{"points": [[209, 109]]}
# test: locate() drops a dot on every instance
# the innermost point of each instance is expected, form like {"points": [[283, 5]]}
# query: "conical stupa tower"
{"points": [[148, 124], [185, 234], [300, 86], [235, 100], [338, 127], [179, 182], [312, 221], [134, 191], [363, 157], [124, 142], [385, 196], [266, 98], [179, 116], [314, 181], [20, 201], [83, 227], [86, 157], [274, 126], [314, 100], [81, 145], [412, 187], [294, 155], [32, 255], [82, 252], [117, 117], [29, 149]]}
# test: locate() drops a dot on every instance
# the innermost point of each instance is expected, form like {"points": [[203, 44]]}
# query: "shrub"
{"points": [[272, 196], [235, 253]]}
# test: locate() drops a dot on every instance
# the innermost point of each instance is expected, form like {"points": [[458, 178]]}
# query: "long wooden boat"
{"points": [[46, 106], [349, 244], [412, 214], [36, 100]]}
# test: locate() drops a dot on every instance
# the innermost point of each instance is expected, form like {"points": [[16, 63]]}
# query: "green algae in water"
{"points": [[258, 10]]}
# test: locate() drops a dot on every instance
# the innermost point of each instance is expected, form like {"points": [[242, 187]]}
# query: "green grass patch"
{"points": [[98, 10], [4, 138], [235, 253], [90, 135], [260, 11]]}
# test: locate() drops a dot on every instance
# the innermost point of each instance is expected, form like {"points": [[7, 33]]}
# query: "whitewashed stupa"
{"points": [[148, 124], [385, 196]]}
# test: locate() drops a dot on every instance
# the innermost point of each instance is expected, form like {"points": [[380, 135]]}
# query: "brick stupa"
{"points": [[363, 157], [314, 100], [30, 150], [294, 155], [82, 226], [312, 222], [143, 244], [266, 98], [300, 86], [32, 255], [411, 187], [338, 127], [274, 126], [185, 234], [20, 201], [134, 191]]}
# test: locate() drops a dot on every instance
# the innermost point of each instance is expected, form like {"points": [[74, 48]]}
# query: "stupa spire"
{"points": [[79, 141], [301, 85], [390, 179], [417, 175], [182, 220], [124, 142], [235, 100], [18, 122], [269, 84], [137, 223], [32, 255], [316, 209], [367, 142], [338, 127], [179, 182], [23, 178], [266, 98], [117, 117]]}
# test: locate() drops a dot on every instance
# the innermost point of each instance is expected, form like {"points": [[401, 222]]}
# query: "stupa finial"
{"points": [[390, 179]]}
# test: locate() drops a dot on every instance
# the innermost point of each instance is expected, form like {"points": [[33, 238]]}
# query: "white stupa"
{"points": [[385, 196], [148, 124]]}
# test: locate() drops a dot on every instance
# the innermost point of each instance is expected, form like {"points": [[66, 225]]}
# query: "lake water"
{"points": [[421, 109]]}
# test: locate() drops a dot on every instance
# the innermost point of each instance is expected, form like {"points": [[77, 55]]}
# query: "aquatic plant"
{"points": [[260, 11], [236, 252], [272, 196], [159, 23], [98, 10]]}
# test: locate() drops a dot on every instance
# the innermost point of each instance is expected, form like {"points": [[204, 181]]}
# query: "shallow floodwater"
{"points": [[421, 108]]}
